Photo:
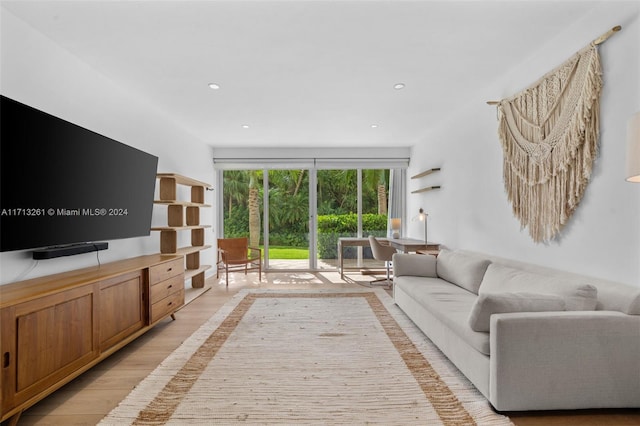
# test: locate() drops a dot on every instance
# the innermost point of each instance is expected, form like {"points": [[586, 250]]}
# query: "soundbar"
{"points": [[70, 250]]}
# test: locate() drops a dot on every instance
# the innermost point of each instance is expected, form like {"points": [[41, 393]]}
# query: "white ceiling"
{"points": [[302, 73]]}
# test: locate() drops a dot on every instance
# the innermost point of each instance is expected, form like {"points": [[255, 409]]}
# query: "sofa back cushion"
{"points": [[417, 265], [462, 269], [577, 296], [619, 297]]}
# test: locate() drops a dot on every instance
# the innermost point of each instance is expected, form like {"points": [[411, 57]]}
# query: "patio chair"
{"points": [[235, 254]]}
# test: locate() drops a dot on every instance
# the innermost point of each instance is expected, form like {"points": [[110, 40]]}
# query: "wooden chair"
{"points": [[235, 254]]}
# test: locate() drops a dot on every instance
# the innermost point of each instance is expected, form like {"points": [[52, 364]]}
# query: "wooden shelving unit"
{"points": [[423, 174], [184, 215]]}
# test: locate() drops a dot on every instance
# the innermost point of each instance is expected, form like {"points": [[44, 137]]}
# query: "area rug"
{"points": [[306, 357]]}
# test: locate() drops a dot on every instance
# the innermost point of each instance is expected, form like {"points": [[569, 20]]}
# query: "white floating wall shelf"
{"points": [[428, 188], [426, 173]]}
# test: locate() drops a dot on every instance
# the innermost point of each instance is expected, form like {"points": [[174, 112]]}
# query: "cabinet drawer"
{"points": [[165, 270], [165, 288], [167, 305]]}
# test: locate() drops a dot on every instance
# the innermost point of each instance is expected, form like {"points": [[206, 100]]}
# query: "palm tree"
{"points": [[382, 199], [299, 180], [375, 180], [235, 188], [254, 209], [336, 191], [288, 198]]}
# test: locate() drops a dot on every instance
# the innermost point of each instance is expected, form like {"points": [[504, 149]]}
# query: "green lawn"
{"points": [[283, 252]]}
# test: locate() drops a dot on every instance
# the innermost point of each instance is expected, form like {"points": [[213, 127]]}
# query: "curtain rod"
{"points": [[597, 41]]}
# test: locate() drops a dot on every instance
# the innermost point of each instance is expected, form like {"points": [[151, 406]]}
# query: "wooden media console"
{"points": [[56, 327]]}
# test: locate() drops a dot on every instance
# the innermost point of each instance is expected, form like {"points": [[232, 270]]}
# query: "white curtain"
{"points": [[397, 191]]}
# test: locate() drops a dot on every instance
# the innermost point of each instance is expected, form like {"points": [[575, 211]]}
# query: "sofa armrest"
{"points": [[418, 265], [564, 360]]}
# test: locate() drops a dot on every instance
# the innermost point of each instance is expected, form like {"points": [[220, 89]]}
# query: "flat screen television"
{"points": [[62, 184]]}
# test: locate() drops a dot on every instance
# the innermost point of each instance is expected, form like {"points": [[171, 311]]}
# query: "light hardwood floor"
{"points": [[86, 400]]}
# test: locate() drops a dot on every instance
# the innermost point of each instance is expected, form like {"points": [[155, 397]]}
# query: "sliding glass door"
{"points": [[288, 219], [298, 215], [337, 205], [242, 205], [278, 223], [351, 203]]}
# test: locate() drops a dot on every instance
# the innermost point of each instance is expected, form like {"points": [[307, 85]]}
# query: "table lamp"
{"points": [[396, 224], [422, 216]]}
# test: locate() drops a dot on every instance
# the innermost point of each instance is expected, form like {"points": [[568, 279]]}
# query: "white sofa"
{"points": [[553, 340]]}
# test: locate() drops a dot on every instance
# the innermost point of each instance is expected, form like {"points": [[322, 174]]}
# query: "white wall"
{"points": [[471, 211], [39, 73]]}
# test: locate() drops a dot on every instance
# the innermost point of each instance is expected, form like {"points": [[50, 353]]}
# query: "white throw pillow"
{"points": [[499, 303], [504, 279]]}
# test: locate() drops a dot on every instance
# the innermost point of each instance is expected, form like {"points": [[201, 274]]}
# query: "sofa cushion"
{"points": [[462, 269], [618, 297], [448, 303], [501, 279], [415, 265], [499, 303]]}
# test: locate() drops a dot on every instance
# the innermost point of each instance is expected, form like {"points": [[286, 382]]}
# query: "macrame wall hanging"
{"points": [[549, 135]]}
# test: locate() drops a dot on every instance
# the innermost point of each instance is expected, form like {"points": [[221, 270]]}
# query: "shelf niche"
{"points": [[184, 215]]}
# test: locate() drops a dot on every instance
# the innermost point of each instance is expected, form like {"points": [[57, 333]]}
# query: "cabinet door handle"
{"points": [[6, 359], [170, 269], [170, 303], [170, 286]]}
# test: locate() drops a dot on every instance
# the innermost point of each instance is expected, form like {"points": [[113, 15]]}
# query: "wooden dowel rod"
{"points": [[597, 41], [606, 35]]}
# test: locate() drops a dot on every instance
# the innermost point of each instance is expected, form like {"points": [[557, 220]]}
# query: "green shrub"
{"points": [[331, 227], [236, 224], [289, 239]]}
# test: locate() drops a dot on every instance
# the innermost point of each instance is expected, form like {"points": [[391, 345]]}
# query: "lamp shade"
{"points": [[396, 223], [633, 148]]}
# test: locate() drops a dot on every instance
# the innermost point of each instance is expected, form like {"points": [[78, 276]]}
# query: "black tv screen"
{"points": [[62, 184]]}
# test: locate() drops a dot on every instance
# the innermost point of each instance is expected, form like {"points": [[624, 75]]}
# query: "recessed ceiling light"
{"points": [[214, 86], [374, 126], [398, 86], [245, 126]]}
